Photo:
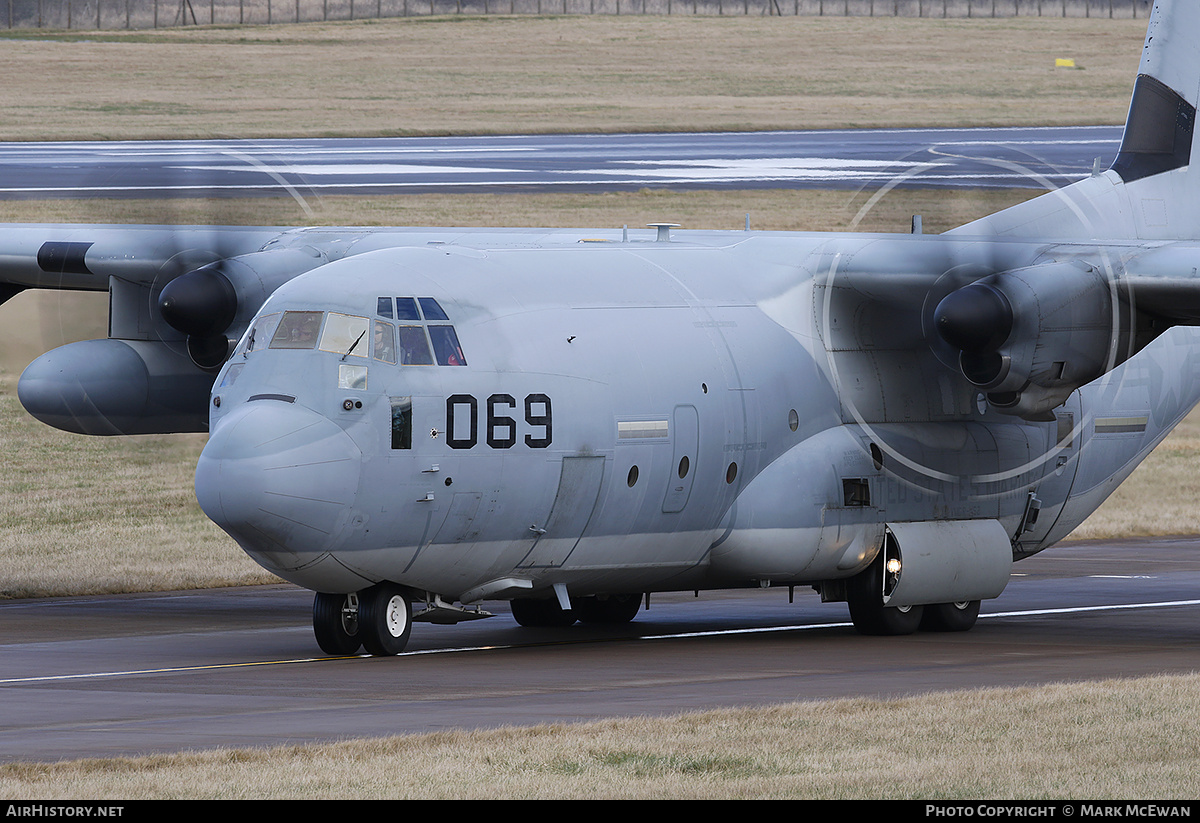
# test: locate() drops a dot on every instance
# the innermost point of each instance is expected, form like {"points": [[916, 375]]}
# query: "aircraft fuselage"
{"points": [[485, 422]]}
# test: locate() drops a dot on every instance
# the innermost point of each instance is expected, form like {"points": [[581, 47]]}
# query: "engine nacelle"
{"points": [[1029, 337], [117, 387], [208, 303]]}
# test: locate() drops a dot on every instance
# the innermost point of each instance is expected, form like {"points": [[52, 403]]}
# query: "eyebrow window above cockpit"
{"points": [[406, 309], [431, 309]]}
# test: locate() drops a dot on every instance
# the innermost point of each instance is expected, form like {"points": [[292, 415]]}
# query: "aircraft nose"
{"points": [[281, 480]]}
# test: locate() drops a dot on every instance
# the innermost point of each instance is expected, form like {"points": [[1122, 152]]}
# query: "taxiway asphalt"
{"points": [[130, 674]]}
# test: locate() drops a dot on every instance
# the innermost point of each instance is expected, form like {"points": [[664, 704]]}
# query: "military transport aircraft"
{"points": [[413, 422]]}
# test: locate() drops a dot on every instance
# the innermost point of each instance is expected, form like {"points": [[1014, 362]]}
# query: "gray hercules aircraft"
{"points": [[413, 422]]}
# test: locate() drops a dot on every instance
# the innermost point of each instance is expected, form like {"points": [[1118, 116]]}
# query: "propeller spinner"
{"points": [[202, 304]]}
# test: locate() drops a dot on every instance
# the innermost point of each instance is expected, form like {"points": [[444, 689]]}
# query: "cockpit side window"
{"points": [[414, 349], [345, 334], [297, 330], [421, 321], [385, 342], [445, 345], [259, 333]]}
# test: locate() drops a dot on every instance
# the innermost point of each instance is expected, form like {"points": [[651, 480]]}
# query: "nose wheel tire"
{"points": [[335, 623], [384, 619]]}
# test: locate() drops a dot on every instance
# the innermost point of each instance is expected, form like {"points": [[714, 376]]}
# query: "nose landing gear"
{"points": [[335, 623], [378, 619]]}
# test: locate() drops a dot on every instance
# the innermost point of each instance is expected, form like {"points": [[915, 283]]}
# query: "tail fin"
{"points": [[1152, 190], [1162, 114]]}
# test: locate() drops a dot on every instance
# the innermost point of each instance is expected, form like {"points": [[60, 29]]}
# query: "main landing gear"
{"points": [[379, 620], [865, 593], [611, 609]]}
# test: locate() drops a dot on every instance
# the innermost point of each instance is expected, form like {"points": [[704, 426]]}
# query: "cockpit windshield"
{"points": [[417, 332], [297, 330], [344, 334]]}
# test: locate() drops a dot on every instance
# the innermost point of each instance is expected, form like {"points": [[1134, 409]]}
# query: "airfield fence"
{"points": [[94, 15]]}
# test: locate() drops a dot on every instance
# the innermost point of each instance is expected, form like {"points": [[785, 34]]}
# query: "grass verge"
{"points": [[1129, 739], [551, 74]]}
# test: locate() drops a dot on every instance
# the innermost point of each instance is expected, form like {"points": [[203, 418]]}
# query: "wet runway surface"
{"points": [[130, 674]]}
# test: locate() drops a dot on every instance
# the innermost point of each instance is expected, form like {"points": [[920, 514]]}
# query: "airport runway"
{"points": [[959, 158], [104, 676]]}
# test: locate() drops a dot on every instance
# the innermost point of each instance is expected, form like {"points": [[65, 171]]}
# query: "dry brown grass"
{"points": [[1117, 739], [534, 74], [91, 515]]}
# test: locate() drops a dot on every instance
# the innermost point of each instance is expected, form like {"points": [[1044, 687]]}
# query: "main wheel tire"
{"points": [[543, 613], [864, 595], [335, 626], [384, 619], [609, 609], [950, 617]]}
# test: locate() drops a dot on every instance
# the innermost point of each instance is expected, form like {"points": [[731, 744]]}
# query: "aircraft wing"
{"points": [[1027, 332], [84, 256]]}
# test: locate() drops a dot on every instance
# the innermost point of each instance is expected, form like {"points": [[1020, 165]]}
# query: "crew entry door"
{"points": [[578, 490]]}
